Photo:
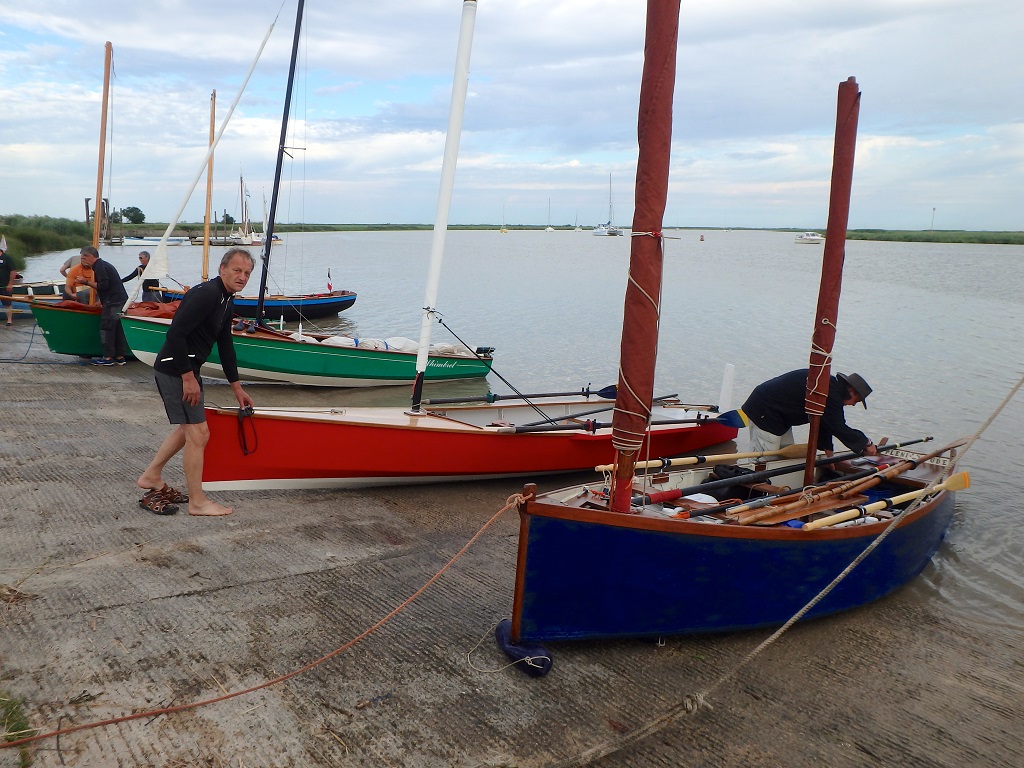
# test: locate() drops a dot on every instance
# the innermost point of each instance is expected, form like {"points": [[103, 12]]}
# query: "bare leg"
{"points": [[196, 438], [152, 476]]}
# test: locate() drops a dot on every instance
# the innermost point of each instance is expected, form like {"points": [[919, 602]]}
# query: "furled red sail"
{"points": [[826, 317], [827, 314], [639, 345]]}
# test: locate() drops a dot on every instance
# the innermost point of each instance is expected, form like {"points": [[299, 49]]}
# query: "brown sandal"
{"points": [[173, 495], [156, 502]]}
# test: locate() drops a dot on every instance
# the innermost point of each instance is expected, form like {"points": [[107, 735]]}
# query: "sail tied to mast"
{"points": [[642, 307], [830, 288]]}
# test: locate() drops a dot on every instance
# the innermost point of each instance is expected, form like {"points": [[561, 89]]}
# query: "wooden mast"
{"points": [[209, 188], [97, 221], [639, 346], [826, 317]]}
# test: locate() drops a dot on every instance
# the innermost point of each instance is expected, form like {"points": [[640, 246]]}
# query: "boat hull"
{"points": [[595, 574], [266, 357], [291, 308], [43, 288], [68, 330], [154, 241], [358, 447]]}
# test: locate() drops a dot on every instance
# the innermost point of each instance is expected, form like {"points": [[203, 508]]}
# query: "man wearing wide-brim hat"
{"points": [[778, 405]]}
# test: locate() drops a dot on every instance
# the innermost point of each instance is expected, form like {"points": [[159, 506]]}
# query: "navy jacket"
{"points": [[778, 404], [108, 284], [203, 318]]}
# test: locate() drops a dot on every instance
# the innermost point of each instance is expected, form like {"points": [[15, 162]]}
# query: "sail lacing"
{"points": [[816, 406], [661, 235], [623, 438]]}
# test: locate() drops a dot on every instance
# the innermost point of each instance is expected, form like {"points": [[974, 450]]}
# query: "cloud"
{"points": [[552, 109]]}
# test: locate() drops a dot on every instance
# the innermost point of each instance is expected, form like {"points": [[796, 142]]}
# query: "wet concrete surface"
{"points": [[119, 611]]}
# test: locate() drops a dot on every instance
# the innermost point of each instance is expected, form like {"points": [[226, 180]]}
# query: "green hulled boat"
{"points": [[317, 359], [69, 328]]}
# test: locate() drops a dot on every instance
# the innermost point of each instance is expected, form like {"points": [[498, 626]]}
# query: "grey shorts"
{"points": [[172, 392]]}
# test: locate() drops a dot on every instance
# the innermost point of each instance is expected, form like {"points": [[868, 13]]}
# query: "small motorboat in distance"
{"points": [[810, 237]]}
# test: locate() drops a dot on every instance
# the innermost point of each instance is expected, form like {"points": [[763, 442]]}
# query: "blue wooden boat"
{"points": [[310, 306], [646, 551], [587, 572]]}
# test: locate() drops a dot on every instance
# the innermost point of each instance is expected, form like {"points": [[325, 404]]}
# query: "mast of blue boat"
{"points": [[826, 318], [642, 307], [460, 86], [268, 235]]}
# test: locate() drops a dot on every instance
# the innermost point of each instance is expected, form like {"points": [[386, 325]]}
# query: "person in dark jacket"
{"points": [[8, 274], [777, 405], [202, 320], [149, 287], [112, 296]]}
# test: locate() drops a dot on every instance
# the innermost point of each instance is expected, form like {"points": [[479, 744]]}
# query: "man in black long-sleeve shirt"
{"points": [[778, 405], [112, 296], [203, 319]]}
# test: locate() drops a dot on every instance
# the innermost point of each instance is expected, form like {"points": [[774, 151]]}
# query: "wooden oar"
{"points": [[764, 475], [576, 415], [732, 509], [608, 393], [764, 501], [729, 419], [788, 452], [806, 499], [957, 482]]}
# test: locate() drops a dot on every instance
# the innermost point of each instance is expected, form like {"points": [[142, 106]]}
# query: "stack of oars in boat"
{"points": [[833, 496], [817, 499]]}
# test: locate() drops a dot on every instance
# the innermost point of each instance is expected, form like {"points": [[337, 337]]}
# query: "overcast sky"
{"points": [[551, 110]]}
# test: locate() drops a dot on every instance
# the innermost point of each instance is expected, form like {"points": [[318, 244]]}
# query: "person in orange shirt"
{"points": [[77, 286]]}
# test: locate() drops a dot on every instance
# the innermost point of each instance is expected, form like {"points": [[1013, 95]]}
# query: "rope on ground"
{"points": [[692, 703], [530, 660], [511, 502], [22, 361]]}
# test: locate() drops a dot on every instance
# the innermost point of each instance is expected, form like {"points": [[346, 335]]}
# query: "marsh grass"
{"points": [[15, 725], [29, 235], [938, 236]]}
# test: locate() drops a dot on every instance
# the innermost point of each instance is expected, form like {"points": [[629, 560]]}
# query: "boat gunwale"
{"points": [[535, 508], [286, 341], [371, 416]]}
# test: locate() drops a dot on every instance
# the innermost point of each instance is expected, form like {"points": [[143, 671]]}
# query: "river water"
{"points": [[932, 327]]}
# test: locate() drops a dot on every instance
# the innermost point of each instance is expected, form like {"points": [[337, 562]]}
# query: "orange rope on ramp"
{"points": [[511, 502]]}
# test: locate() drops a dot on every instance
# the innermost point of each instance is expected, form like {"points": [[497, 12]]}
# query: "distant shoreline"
{"points": [[900, 236], [32, 235]]}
